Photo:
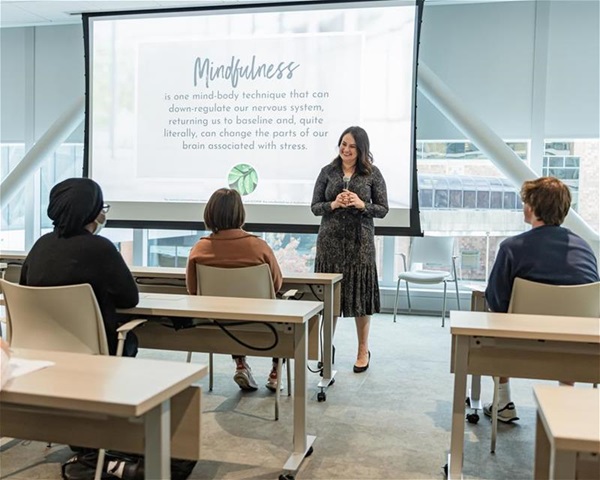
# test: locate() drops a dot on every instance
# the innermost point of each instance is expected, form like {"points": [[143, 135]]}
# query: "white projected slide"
{"points": [[183, 103]]}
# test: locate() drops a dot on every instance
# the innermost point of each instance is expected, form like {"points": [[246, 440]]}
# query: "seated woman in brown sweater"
{"points": [[228, 246]]}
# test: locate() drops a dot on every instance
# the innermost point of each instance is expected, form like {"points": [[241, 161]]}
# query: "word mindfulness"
{"points": [[206, 71]]}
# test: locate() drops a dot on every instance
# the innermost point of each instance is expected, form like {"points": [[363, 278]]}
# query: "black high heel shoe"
{"points": [[358, 369]]}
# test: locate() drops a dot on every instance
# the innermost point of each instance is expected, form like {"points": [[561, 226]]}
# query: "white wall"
{"points": [[60, 73], [53, 56], [12, 84], [484, 52], [573, 90]]}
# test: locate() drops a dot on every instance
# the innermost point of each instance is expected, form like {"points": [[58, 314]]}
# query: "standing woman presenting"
{"points": [[348, 194]]}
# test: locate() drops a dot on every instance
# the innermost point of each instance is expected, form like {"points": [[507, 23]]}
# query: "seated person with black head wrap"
{"points": [[73, 253]]}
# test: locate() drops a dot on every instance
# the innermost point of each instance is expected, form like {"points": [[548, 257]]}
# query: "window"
{"points": [[460, 194], [13, 214], [67, 161], [560, 161]]}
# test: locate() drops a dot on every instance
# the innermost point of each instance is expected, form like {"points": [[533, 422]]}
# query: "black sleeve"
{"points": [[23, 277], [499, 287], [319, 205], [378, 207], [121, 285]]}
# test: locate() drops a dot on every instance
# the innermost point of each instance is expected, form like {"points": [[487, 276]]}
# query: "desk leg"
{"points": [[562, 464], [457, 436], [475, 393], [541, 468], [328, 372], [157, 449], [302, 442]]}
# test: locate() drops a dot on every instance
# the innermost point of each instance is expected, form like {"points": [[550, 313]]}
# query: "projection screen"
{"points": [[181, 102]]}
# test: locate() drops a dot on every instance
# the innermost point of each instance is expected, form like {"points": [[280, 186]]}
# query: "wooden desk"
{"points": [[568, 422], [290, 317], [323, 287], [92, 400], [478, 303], [520, 346], [10, 256]]}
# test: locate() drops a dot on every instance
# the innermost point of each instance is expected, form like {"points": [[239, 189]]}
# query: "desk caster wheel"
{"points": [[472, 418], [309, 452], [287, 476], [321, 397], [445, 469]]}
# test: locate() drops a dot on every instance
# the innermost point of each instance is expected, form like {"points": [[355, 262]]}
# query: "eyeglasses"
{"points": [[105, 208]]}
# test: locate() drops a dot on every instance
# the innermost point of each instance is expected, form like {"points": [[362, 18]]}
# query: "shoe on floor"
{"points": [[364, 368], [243, 377], [506, 414], [272, 381]]}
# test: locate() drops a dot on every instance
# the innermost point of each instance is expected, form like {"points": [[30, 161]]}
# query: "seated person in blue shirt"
{"points": [[547, 253], [74, 253]]}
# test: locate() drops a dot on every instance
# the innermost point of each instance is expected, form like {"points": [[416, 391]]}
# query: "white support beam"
{"points": [[46, 145]]}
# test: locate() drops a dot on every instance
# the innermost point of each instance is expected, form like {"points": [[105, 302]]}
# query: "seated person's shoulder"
{"points": [[522, 239], [102, 245], [256, 240]]}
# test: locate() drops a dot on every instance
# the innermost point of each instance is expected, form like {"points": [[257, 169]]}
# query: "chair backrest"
{"points": [[542, 299], [65, 318], [161, 285], [244, 282], [12, 273], [435, 251]]}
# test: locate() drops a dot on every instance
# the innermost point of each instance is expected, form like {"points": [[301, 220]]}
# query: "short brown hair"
{"points": [[224, 210], [548, 197]]}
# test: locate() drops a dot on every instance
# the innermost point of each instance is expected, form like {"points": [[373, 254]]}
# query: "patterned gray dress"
{"points": [[346, 240]]}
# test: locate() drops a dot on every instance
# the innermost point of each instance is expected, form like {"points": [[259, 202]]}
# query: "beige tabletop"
{"points": [[571, 417], [13, 255], [520, 346], [179, 273], [325, 287], [225, 308], [124, 387], [512, 325]]}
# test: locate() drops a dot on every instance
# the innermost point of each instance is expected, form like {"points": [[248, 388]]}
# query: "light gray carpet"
{"points": [[391, 422]]}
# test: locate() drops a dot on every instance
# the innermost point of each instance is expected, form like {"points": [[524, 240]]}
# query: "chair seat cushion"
{"points": [[424, 276]]}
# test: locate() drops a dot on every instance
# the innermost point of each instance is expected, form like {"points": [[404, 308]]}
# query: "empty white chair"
{"points": [[435, 251]]}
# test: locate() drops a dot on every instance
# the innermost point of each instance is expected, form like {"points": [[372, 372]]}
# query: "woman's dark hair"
{"points": [[224, 210], [548, 197], [364, 160]]}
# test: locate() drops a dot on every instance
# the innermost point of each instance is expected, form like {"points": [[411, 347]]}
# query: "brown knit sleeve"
{"points": [[191, 280]]}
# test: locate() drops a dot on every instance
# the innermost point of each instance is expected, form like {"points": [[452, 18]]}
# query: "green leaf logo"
{"points": [[243, 178]]}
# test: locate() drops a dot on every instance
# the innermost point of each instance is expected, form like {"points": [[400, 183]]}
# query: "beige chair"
{"points": [[542, 299], [429, 251], [12, 273], [243, 282], [65, 318]]}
